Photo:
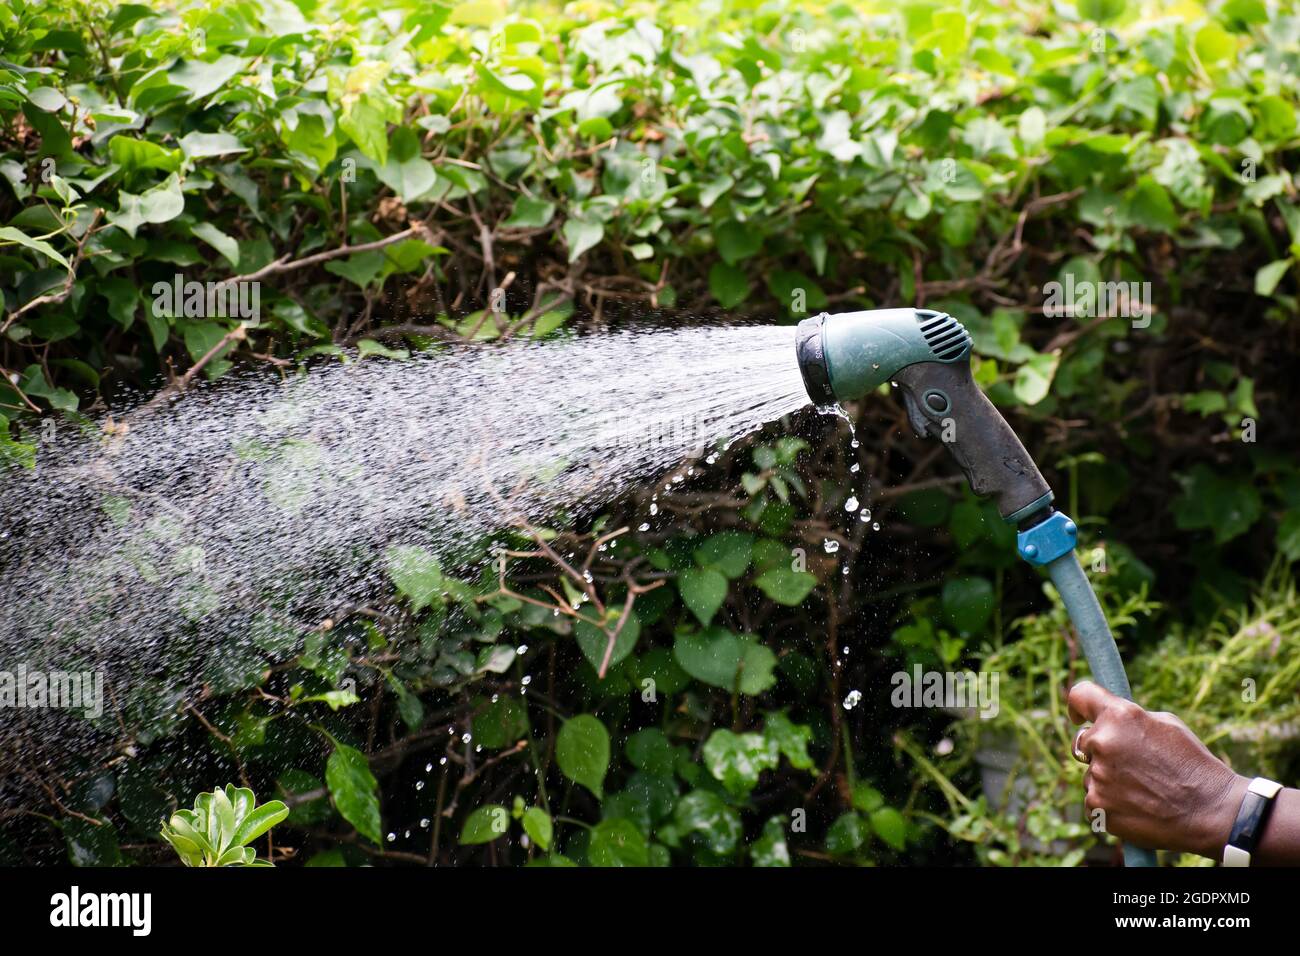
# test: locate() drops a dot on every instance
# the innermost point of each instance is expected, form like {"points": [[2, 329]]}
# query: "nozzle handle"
{"points": [[943, 400]]}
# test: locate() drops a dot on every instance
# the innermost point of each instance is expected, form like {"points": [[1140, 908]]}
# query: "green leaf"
{"points": [[1267, 278], [890, 826], [736, 760], [703, 590], [770, 849], [703, 813], [203, 79], [530, 213], [796, 292], [1033, 381], [369, 347], [650, 750], [224, 244], [135, 154], [355, 790], [361, 268], [594, 641], [1101, 11], [161, 204], [737, 241], [790, 739], [10, 234], [1288, 535], [1149, 206], [538, 826], [726, 551], [785, 586], [729, 285], [846, 835], [722, 659], [204, 145], [580, 235], [366, 124], [1213, 43], [1221, 503], [485, 824], [406, 172], [47, 98], [617, 842], [582, 751], [968, 603], [500, 723], [259, 821], [416, 573]]}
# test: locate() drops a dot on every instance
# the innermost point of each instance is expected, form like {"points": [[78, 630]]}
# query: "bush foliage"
{"points": [[429, 172]]}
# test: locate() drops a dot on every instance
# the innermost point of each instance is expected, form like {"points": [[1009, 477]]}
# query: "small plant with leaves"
{"points": [[220, 827]]}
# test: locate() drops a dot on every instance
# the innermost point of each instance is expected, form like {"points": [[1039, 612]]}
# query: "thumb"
{"points": [[1087, 700]]}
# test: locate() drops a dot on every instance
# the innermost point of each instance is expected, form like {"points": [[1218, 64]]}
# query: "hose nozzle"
{"points": [[927, 353]]}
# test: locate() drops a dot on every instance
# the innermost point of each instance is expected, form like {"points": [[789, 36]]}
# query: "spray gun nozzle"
{"points": [[812, 361]]}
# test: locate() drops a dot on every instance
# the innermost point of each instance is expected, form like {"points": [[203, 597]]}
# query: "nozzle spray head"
{"points": [[844, 357]]}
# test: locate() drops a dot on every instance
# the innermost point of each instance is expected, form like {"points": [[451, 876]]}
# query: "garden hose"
{"points": [[927, 354]]}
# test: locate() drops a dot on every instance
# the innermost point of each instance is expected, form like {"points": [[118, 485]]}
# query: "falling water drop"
{"points": [[853, 699], [851, 505]]}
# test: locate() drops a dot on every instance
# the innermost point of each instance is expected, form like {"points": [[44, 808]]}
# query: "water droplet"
{"points": [[855, 468], [875, 526], [392, 837], [526, 681], [654, 510], [424, 823], [831, 545], [521, 650], [428, 768], [853, 699], [419, 785], [644, 526], [851, 505]]}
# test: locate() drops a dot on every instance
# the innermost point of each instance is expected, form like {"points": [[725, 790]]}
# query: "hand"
{"points": [[1159, 786]]}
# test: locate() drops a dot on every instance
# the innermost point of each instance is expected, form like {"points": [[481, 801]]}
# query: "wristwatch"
{"points": [[1256, 806]]}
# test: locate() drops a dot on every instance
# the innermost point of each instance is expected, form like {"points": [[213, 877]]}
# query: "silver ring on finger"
{"points": [[1079, 753]]}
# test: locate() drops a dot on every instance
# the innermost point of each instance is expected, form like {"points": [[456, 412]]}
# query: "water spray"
{"points": [[927, 353]]}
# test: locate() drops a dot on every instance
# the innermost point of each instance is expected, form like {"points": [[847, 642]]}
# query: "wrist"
{"points": [[1219, 815]]}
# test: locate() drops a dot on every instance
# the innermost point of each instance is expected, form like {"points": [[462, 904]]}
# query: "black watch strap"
{"points": [[1256, 806]]}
